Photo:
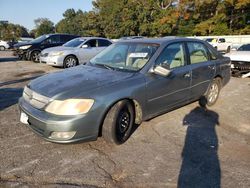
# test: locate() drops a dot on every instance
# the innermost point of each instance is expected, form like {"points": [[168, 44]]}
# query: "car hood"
{"points": [[19, 44], [57, 49], [239, 56], [74, 82]]}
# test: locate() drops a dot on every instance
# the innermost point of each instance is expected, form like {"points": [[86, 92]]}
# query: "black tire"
{"points": [[34, 56], [210, 98], [70, 61], [117, 126], [2, 48], [228, 49]]}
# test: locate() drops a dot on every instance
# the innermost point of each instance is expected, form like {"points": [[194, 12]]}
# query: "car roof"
{"points": [[87, 38], [51, 34], [160, 40]]}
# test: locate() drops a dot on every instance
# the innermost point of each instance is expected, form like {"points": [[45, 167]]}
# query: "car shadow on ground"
{"points": [[200, 163], [8, 59], [9, 97], [22, 79]]}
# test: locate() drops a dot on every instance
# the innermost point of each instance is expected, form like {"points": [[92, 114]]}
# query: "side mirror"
{"points": [[85, 46], [159, 70]]}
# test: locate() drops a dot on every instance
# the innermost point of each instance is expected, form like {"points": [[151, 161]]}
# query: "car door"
{"points": [[203, 69], [88, 50], [164, 93]]}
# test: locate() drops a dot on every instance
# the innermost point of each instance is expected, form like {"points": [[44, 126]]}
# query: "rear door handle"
{"points": [[211, 67], [187, 75]]}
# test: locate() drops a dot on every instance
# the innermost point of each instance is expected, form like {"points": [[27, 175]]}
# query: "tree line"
{"points": [[152, 18]]}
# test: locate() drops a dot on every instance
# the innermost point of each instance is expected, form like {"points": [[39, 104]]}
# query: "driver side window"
{"points": [[172, 56]]}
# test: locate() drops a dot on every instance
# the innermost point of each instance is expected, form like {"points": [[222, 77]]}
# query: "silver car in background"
{"points": [[77, 51]]}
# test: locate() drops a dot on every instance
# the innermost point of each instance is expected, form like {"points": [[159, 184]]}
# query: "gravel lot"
{"points": [[188, 147]]}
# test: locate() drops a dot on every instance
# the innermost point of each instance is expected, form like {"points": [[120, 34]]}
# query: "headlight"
{"points": [[25, 47], [70, 106], [56, 53]]}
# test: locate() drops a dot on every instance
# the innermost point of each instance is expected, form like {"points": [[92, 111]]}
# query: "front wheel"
{"points": [[35, 56], [212, 94], [117, 126], [70, 61], [2, 48]]}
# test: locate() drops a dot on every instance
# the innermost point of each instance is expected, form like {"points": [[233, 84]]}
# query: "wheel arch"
{"points": [[137, 109], [220, 77]]}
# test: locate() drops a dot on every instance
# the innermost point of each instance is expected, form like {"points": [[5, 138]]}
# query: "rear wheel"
{"points": [[70, 61], [35, 56], [212, 95], [2, 48], [118, 123]]}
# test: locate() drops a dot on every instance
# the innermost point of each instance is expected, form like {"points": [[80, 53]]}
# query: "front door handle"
{"points": [[187, 75]]}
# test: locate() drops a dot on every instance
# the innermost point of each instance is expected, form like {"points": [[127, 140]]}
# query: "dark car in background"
{"points": [[128, 82], [31, 50]]}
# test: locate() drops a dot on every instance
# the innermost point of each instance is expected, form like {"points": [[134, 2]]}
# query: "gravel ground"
{"points": [[188, 147]]}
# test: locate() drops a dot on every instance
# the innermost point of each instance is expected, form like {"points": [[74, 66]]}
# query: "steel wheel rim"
{"points": [[123, 124], [213, 93], [71, 62]]}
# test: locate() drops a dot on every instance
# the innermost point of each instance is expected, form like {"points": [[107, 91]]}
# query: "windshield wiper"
{"points": [[105, 65]]}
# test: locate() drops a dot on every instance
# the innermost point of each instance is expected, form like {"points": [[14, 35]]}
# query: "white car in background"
{"points": [[240, 59], [4, 45], [77, 51], [220, 44]]}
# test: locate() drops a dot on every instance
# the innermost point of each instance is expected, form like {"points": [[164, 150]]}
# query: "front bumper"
{"points": [[42, 123], [20, 53], [52, 60], [239, 67]]}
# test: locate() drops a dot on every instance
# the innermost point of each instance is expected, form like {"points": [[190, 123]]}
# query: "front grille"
{"points": [[241, 65], [35, 99], [44, 55]]}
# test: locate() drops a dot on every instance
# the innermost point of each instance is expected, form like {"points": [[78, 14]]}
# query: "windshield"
{"points": [[125, 56], [245, 47], [74, 43], [41, 38]]}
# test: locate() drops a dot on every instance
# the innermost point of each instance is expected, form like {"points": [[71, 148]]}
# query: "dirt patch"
{"points": [[29, 73]]}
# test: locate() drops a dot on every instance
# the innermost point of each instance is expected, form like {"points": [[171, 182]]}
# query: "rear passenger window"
{"points": [[102, 42], [197, 52], [92, 43], [65, 38], [55, 39], [172, 56]]}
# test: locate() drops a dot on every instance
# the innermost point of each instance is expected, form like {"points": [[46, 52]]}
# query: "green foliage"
{"points": [[152, 18], [9, 31], [166, 17], [43, 26]]}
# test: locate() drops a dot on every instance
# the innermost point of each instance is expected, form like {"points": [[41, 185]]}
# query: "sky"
{"points": [[24, 12]]}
